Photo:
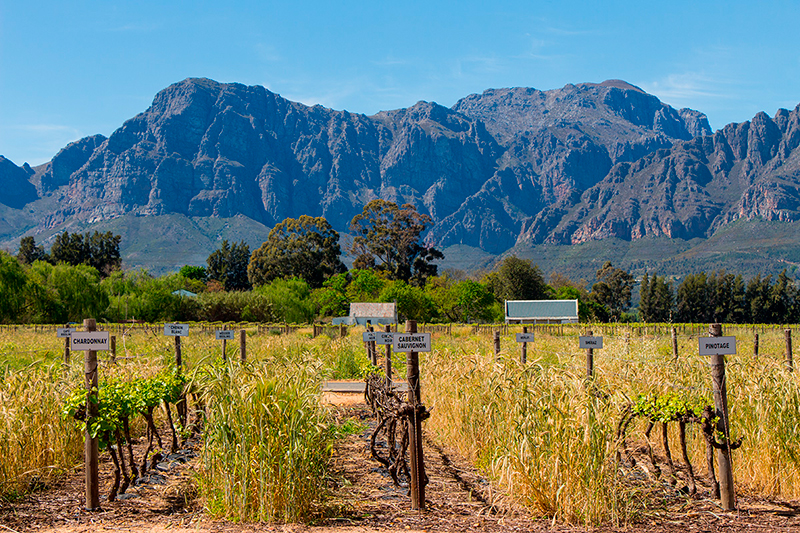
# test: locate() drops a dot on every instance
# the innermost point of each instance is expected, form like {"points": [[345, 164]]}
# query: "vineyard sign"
{"points": [[587, 342], [89, 341], [64, 333], [524, 337], [383, 338], [411, 342], [717, 345], [224, 334], [176, 330]]}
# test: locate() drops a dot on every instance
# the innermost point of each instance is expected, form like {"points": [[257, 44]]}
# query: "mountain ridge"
{"points": [[506, 168]]}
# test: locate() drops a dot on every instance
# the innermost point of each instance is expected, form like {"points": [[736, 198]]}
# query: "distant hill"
{"points": [[522, 170]]}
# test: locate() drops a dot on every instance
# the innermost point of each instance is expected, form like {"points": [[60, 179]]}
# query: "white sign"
{"points": [[587, 342], [64, 333], [382, 338], [411, 342], [717, 345], [524, 337], [369, 336], [176, 330], [84, 341], [224, 334]]}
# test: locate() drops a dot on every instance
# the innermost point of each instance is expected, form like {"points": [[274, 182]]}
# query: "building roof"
{"points": [[542, 309]]}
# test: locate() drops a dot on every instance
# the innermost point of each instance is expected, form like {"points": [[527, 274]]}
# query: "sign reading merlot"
{"points": [[411, 342]]}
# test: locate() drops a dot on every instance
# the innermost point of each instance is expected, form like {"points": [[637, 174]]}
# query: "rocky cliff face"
{"points": [[504, 167]]}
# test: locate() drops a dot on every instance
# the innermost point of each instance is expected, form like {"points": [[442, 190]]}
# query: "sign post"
{"points": [[65, 333], [718, 347], [524, 338], [178, 331], [413, 343], [225, 335], [590, 343], [90, 341]]}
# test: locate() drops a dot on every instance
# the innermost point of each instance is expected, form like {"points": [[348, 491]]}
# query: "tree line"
{"points": [[720, 297], [297, 275]]}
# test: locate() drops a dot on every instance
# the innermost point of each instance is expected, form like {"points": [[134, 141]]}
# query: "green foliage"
{"points": [[194, 272], [412, 302], [267, 442], [98, 250], [289, 299], [233, 306], [13, 282], [613, 289], [228, 265], [460, 301], [120, 400], [517, 279], [29, 253], [141, 296], [307, 247], [668, 407], [388, 239], [331, 299], [67, 293], [656, 299]]}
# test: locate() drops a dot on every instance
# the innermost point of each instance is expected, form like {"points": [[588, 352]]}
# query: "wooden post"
{"points": [[675, 343], [720, 388], [755, 344], [342, 331], [415, 427], [178, 355], [523, 358], [589, 359], [113, 345], [388, 362], [373, 353], [66, 352], [225, 347], [496, 342], [243, 345], [787, 334], [91, 449]]}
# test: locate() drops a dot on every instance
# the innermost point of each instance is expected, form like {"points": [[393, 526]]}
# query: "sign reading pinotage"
{"points": [[717, 345], [411, 342]]}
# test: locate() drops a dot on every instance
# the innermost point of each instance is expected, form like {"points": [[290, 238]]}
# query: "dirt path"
{"points": [[458, 499]]}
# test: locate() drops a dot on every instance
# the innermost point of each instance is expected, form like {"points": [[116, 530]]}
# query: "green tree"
{"points": [[228, 265], [331, 299], [307, 247], [98, 250], [388, 239], [412, 302], [758, 298], [517, 279], [29, 252], [194, 272], [656, 299], [613, 289], [13, 282]]}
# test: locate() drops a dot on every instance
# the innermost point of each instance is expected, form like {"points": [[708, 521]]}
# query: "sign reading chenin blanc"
{"points": [[176, 330], [84, 341], [411, 342]]}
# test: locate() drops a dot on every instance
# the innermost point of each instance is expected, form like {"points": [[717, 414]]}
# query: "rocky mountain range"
{"points": [[507, 168]]}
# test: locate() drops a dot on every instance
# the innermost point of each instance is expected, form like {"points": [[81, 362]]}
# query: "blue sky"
{"points": [[71, 69]]}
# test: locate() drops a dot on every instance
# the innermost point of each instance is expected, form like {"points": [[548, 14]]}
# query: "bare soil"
{"points": [[458, 499]]}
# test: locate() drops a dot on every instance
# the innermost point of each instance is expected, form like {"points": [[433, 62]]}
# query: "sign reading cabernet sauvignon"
{"points": [[411, 342]]}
